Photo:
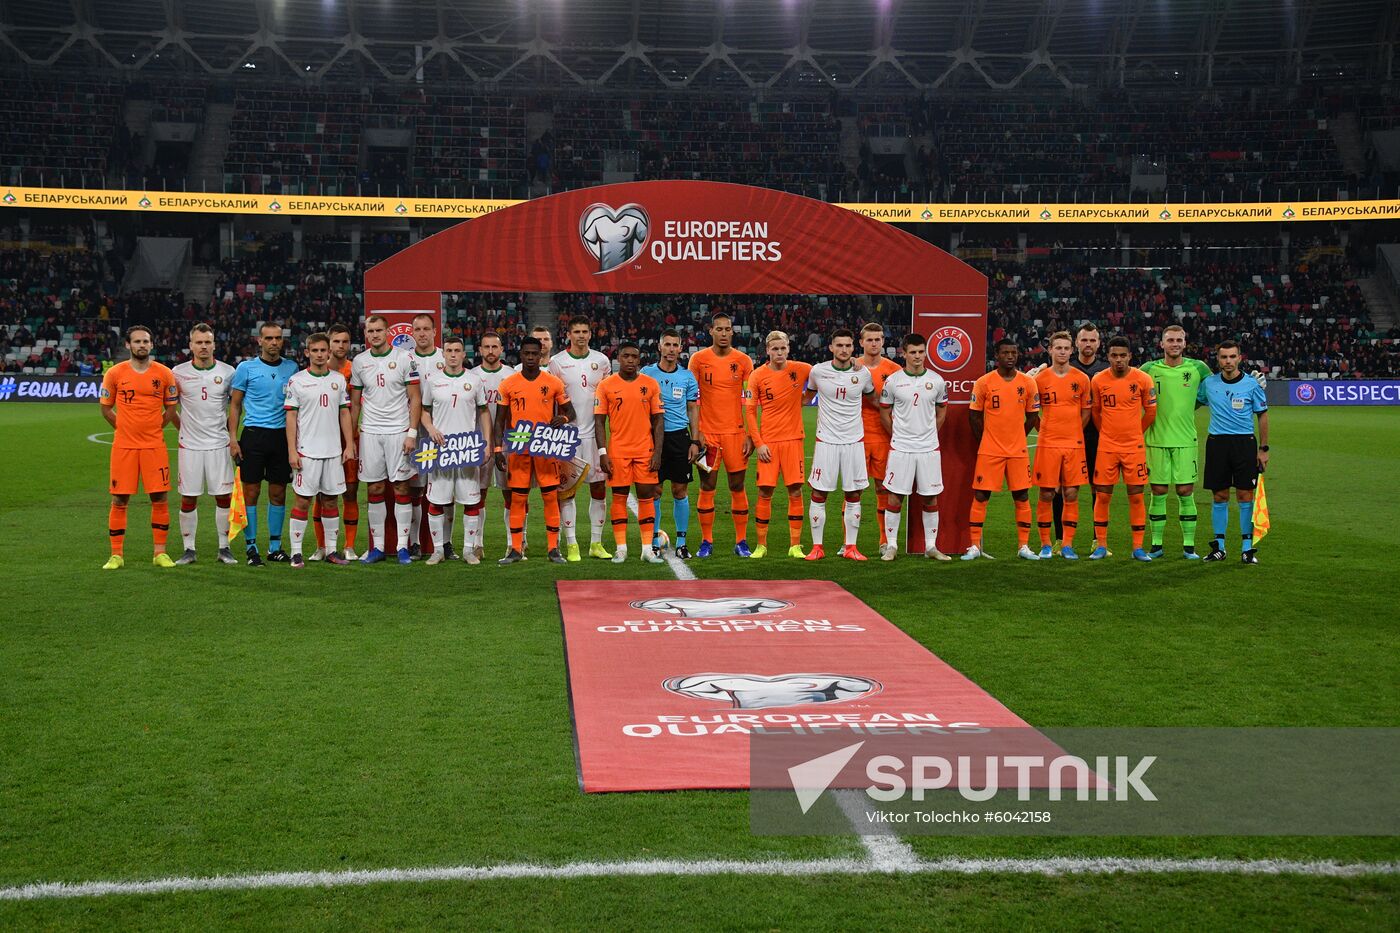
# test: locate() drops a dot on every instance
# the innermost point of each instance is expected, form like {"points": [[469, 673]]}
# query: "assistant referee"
{"points": [[256, 397], [1234, 457]]}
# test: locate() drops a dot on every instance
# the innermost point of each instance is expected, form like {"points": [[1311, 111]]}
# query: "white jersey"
{"points": [[581, 378], [317, 400], [383, 381], [491, 380], [454, 400], [839, 393], [428, 363], [914, 400], [203, 405]]}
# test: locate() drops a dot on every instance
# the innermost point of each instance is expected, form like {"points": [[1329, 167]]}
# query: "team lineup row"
{"points": [[341, 420]]}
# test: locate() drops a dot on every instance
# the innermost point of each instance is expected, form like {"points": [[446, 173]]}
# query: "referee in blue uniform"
{"points": [[256, 396], [1234, 457], [680, 446]]}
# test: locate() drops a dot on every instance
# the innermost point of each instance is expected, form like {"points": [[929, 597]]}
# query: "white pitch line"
{"points": [[683, 868], [886, 850]]}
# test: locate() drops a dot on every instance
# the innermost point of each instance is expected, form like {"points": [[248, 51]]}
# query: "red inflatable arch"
{"points": [[699, 237]]}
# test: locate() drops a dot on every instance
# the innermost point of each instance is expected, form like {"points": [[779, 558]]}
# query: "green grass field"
{"points": [[223, 720]]}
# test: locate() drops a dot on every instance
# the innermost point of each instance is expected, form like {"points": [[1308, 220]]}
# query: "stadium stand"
{"points": [[58, 132]]}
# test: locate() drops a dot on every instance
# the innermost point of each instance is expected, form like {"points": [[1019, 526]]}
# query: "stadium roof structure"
{"points": [[754, 44]]}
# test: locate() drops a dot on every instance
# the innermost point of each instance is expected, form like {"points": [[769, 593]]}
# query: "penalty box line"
{"points": [[683, 868]]}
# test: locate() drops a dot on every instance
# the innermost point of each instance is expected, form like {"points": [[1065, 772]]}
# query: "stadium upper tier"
{"points": [[426, 142]]}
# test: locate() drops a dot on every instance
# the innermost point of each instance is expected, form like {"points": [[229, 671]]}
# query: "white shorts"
{"points": [[206, 472], [588, 450], [846, 459], [382, 457], [909, 473], [461, 486], [318, 477], [489, 477]]}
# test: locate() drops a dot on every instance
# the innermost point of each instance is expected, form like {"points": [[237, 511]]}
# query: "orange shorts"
{"points": [[727, 449], [991, 471], [1060, 466], [877, 461], [627, 471], [785, 458], [519, 468], [1133, 463], [148, 466]]}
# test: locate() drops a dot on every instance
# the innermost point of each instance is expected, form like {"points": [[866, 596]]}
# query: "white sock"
{"points": [[597, 517], [852, 517], [892, 527], [505, 514], [378, 515], [416, 523], [816, 517], [472, 539], [568, 514], [435, 529], [298, 532], [221, 525], [189, 524], [403, 521], [447, 517], [330, 524], [930, 530]]}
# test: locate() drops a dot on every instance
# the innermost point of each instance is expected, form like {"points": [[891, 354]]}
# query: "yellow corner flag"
{"points": [[1261, 512], [238, 509]]}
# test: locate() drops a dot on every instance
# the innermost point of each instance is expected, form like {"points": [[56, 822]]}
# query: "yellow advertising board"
{"points": [[296, 205]]}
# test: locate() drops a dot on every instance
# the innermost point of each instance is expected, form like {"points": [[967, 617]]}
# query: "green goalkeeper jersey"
{"points": [[1176, 402]]}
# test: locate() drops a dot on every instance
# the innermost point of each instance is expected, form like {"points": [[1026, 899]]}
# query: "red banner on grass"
{"points": [[669, 680]]}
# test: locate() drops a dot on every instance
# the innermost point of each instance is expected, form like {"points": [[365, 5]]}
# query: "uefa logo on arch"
{"points": [[401, 335], [949, 348]]}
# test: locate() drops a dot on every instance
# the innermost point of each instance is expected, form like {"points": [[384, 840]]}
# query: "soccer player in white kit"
{"points": [[320, 438], [490, 374], [913, 406], [454, 402], [205, 466], [581, 369], [838, 385], [386, 402], [427, 359]]}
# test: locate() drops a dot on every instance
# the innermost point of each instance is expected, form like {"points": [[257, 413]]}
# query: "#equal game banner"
{"points": [[668, 681]]}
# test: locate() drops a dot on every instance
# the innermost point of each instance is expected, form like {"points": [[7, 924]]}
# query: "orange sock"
{"points": [[1101, 501], [646, 519], [762, 516], [796, 520], [1023, 522], [517, 519], [160, 523], [350, 521], [551, 517], [116, 527], [975, 517], [705, 508], [880, 513], [1045, 518], [619, 518], [320, 529], [1069, 521], [739, 508], [1137, 517]]}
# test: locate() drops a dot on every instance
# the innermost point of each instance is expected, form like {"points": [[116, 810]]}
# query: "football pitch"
{"points": [[235, 723]]}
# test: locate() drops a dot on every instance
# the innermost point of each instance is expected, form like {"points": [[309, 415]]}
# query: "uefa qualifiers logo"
{"points": [[401, 335], [613, 237], [950, 348], [759, 691], [1305, 392]]}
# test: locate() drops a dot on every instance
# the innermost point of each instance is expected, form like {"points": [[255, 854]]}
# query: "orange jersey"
{"points": [[1063, 399], [140, 400], [1119, 407], [778, 392], [532, 399], [629, 406], [343, 369], [721, 381], [870, 404], [1004, 406]]}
